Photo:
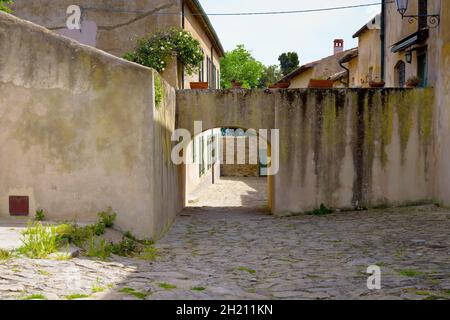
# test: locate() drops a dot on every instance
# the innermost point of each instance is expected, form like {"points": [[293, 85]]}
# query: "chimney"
{"points": [[338, 46]]}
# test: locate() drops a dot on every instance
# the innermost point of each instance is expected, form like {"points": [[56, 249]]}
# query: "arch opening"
{"points": [[227, 168]]}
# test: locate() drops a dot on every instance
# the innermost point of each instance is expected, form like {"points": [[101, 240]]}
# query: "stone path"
{"points": [[236, 253]]}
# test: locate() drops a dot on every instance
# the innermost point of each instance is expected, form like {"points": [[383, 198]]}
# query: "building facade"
{"points": [[364, 63], [410, 44], [325, 69], [115, 26]]}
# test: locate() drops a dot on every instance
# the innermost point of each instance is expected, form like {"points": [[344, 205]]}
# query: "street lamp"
{"points": [[402, 6], [408, 56], [431, 20]]}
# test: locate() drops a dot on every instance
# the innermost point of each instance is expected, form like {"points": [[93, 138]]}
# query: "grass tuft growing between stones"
{"points": [[76, 296], [38, 241], [167, 286], [149, 253], [5, 255], [199, 289], [35, 297], [133, 292], [410, 273], [251, 271]]}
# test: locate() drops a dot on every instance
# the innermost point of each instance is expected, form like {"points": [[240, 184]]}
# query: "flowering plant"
{"points": [[157, 50]]}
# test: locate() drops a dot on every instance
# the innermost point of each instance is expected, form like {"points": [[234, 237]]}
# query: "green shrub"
{"points": [[39, 241], [40, 215], [107, 217], [4, 5], [158, 50]]}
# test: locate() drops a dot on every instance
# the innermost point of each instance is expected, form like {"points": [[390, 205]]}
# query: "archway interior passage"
{"points": [[227, 168]]}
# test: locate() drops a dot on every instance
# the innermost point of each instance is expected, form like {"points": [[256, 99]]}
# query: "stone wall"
{"points": [[79, 132], [245, 168], [345, 148]]}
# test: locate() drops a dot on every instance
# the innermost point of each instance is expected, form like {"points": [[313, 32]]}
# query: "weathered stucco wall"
{"points": [[80, 132], [442, 119], [116, 25], [343, 148]]}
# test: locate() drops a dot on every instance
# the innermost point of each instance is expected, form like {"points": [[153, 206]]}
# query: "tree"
{"points": [[288, 62], [4, 5], [270, 76], [239, 65]]}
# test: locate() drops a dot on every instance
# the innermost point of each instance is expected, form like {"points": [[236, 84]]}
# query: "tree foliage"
{"points": [[157, 51], [240, 65], [4, 5], [270, 76], [288, 62]]}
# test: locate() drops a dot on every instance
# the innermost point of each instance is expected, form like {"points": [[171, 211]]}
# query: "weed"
{"points": [[75, 296], [251, 271], [321, 211], [410, 273], [98, 249], [98, 287], [198, 289], [39, 241], [5, 255], [35, 297], [167, 286], [149, 253], [40, 215], [107, 217], [43, 272], [126, 248], [133, 292]]}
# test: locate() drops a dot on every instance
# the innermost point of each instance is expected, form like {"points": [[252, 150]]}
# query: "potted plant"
{"points": [[319, 83], [376, 83], [413, 82], [283, 85], [199, 85]]}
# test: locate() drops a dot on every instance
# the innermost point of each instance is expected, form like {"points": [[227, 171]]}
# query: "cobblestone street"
{"points": [[218, 251]]}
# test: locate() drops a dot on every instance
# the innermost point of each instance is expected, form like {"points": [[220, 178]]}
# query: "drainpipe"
{"points": [[383, 39], [348, 73], [182, 26]]}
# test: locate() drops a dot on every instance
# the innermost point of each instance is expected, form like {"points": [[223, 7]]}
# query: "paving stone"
{"points": [[302, 257]]}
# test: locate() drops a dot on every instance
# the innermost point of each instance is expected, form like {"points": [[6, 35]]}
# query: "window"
{"points": [[423, 12], [400, 74], [208, 70], [201, 71], [422, 67], [214, 77]]}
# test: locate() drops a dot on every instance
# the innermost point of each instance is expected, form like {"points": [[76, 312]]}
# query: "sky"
{"points": [[311, 35]]}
